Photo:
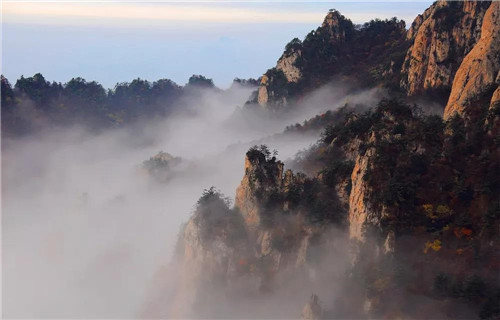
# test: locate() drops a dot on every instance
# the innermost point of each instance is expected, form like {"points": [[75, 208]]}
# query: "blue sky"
{"points": [[114, 41]]}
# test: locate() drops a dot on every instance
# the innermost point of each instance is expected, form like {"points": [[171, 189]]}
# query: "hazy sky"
{"points": [[111, 41]]}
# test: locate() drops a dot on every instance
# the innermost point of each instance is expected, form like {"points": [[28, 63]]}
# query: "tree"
{"points": [[7, 94], [84, 98], [37, 89], [200, 81]]}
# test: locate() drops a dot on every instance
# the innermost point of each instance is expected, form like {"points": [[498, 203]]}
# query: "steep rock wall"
{"points": [[480, 69], [442, 37]]}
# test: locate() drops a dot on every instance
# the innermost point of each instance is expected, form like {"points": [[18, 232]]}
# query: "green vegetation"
{"points": [[159, 165], [329, 118], [216, 220], [200, 81], [448, 15], [277, 85], [369, 54]]}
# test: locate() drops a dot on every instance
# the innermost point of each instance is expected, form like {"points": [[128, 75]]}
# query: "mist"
{"points": [[86, 230]]}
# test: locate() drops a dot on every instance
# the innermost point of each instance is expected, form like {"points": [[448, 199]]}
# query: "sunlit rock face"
{"points": [[262, 95], [334, 24], [223, 251], [261, 177], [264, 177], [441, 37], [359, 210], [335, 27], [479, 72], [287, 64]]}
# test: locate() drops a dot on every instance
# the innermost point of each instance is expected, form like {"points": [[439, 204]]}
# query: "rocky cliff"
{"points": [[263, 176], [405, 196], [336, 48], [479, 74], [441, 37], [422, 61], [258, 245], [267, 200]]}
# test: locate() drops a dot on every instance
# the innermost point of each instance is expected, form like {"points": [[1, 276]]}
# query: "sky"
{"points": [[118, 41]]}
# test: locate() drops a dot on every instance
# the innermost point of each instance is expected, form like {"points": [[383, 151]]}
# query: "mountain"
{"points": [[395, 213], [422, 61], [364, 55]]}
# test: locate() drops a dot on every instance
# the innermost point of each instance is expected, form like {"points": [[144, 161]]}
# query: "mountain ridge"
{"points": [[397, 196]]}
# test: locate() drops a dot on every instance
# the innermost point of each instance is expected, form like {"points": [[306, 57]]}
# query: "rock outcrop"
{"points": [[335, 25], [479, 72], [262, 95], [421, 61], [262, 177], [359, 211], [258, 199], [442, 36], [287, 65], [335, 30]]}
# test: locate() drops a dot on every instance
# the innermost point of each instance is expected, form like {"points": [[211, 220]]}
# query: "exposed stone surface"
{"points": [[333, 26], [442, 36], [287, 64], [479, 71], [359, 210], [262, 95], [260, 177], [333, 23], [439, 39]]}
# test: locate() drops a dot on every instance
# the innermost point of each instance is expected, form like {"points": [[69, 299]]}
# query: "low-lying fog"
{"points": [[85, 229]]}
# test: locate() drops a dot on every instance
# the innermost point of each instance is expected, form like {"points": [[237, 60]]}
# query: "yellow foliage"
{"points": [[428, 209], [434, 245]]}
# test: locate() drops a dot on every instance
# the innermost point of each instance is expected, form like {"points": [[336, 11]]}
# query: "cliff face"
{"points": [[420, 61], [479, 72], [261, 199], [414, 180], [408, 192], [287, 65], [359, 206], [261, 177], [441, 38], [333, 32], [252, 246]]}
